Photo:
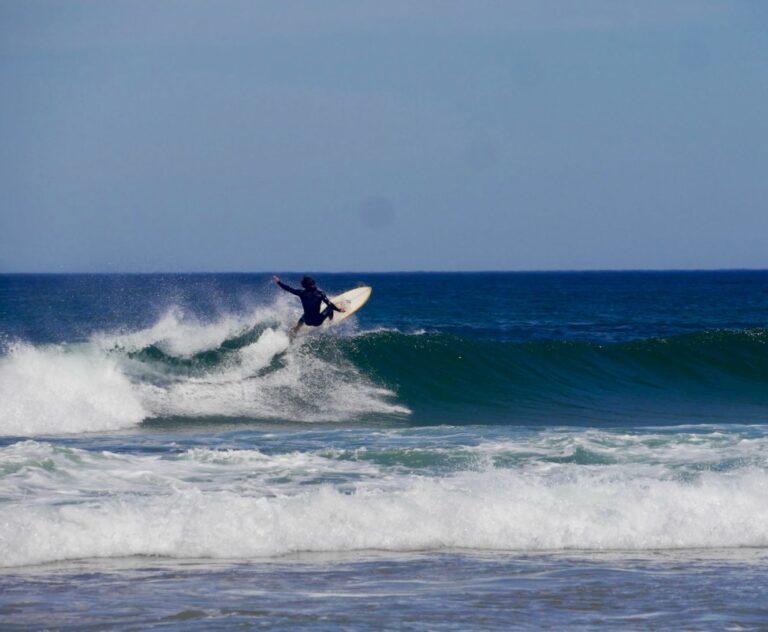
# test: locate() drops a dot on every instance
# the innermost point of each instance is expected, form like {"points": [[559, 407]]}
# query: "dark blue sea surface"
{"points": [[468, 451]]}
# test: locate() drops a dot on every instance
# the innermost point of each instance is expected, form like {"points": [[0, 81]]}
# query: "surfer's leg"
{"points": [[297, 326], [326, 313], [320, 319]]}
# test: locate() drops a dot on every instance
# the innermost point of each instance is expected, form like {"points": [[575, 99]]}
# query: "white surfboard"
{"points": [[351, 301]]}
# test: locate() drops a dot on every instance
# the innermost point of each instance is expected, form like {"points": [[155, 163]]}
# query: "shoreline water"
{"points": [[451, 590]]}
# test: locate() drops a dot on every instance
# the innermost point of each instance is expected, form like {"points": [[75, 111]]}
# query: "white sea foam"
{"points": [[64, 389], [219, 504], [303, 388], [676, 447], [183, 336], [101, 385]]}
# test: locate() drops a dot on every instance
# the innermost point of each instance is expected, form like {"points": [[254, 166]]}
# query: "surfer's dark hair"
{"points": [[308, 283]]}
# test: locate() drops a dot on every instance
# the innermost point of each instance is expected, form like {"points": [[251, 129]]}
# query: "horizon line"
{"points": [[412, 271]]}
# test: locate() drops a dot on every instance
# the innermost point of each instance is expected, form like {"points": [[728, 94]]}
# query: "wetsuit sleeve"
{"points": [[288, 288], [328, 301]]}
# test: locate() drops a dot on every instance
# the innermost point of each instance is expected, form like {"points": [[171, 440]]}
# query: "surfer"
{"points": [[312, 299]]}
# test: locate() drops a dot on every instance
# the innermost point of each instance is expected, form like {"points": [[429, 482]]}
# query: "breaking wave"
{"points": [[204, 503], [246, 367], [242, 367]]}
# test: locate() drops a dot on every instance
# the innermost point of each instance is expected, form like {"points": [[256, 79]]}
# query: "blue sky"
{"points": [[255, 136]]}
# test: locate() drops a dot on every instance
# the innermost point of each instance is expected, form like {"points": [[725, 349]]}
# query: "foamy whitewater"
{"points": [[535, 494], [176, 460], [107, 384]]}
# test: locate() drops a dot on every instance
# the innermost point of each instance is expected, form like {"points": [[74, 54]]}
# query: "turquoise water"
{"points": [[471, 449]]}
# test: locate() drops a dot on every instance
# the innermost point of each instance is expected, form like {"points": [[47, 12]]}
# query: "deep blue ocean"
{"points": [[469, 451]]}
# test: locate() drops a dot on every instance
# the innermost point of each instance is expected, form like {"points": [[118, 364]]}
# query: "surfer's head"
{"points": [[308, 283]]}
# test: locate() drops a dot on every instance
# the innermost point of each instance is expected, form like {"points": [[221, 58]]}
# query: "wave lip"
{"points": [[182, 336]]}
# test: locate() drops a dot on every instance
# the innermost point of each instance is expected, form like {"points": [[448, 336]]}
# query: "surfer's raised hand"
{"points": [[276, 278]]}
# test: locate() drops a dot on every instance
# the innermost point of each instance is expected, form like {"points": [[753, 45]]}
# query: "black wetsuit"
{"points": [[312, 300]]}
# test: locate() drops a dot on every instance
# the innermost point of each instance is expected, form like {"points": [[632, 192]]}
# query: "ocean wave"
{"points": [[443, 376], [205, 504], [245, 366]]}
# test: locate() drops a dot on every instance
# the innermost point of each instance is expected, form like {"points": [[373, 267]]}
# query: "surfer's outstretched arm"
{"points": [[287, 288], [328, 302]]}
